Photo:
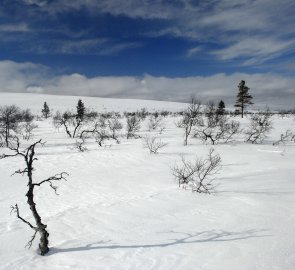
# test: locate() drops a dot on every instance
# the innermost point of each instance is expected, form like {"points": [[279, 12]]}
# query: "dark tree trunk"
{"points": [[40, 227]]}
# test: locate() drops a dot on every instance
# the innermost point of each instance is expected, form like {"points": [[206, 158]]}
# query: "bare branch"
{"points": [[29, 244], [154, 144], [200, 174], [285, 137], [259, 127], [57, 177], [20, 171], [16, 210]]}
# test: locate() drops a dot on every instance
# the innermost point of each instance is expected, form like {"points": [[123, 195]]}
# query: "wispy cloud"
{"points": [[21, 27], [115, 49], [255, 50], [244, 29], [97, 46], [193, 51]]}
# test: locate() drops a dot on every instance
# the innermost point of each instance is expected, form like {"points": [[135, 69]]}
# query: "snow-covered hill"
{"points": [[121, 207], [35, 103]]}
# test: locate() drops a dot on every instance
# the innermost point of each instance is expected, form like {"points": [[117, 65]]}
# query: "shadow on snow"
{"points": [[187, 238]]}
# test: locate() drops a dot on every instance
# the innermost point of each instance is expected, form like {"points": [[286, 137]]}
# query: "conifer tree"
{"points": [[80, 110], [45, 111], [243, 98], [221, 108]]}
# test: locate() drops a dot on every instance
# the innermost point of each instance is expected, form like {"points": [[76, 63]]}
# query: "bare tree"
{"points": [[100, 131], [27, 130], [115, 126], [27, 126], [190, 118], [133, 126], [63, 120], [154, 144], [80, 144], [101, 135], [10, 117], [198, 174], [259, 127], [28, 156]]}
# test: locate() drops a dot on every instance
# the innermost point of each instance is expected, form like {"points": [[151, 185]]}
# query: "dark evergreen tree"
{"points": [[45, 111], [80, 110], [243, 98], [221, 108]]}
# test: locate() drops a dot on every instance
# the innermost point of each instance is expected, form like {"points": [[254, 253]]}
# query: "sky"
{"points": [[150, 49]]}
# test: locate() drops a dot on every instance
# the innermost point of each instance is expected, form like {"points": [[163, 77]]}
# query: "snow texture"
{"points": [[121, 208]]}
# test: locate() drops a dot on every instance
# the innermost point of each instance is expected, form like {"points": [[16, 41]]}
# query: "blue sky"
{"points": [[144, 41]]}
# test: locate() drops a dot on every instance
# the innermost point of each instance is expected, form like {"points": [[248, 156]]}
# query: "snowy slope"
{"points": [[121, 208], [35, 103]]}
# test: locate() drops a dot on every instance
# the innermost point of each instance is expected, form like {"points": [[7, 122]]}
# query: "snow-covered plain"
{"points": [[121, 208]]}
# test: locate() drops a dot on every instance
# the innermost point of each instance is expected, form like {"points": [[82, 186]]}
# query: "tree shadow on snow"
{"points": [[183, 239]]}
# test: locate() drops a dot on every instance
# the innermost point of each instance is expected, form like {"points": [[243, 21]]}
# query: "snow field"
{"points": [[121, 208]]}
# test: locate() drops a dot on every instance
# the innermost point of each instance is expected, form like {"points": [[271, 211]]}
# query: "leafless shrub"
{"points": [[215, 127], [100, 136], [133, 126], [12, 122], [80, 144], [142, 113], [156, 122], [98, 131], [259, 127], [154, 144], [114, 126], [198, 174], [27, 130], [190, 118], [64, 120], [288, 136]]}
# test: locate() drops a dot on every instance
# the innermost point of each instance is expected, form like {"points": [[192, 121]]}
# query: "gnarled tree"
{"points": [[29, 157]]}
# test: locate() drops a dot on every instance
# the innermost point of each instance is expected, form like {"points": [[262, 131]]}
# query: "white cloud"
{"points": [[22, 27], [16, 77], [273, 90], [255, 49], [194, 51]]}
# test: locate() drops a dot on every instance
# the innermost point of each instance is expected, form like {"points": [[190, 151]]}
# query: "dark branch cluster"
{"points": [[51, 179], [198, 174]]}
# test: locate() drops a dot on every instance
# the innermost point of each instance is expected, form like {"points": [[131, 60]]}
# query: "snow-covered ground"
{"points": [[35, 103], [121, 208]]}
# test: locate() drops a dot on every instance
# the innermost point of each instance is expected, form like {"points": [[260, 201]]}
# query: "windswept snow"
{"points": [[121, 208], [35, 103]]}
